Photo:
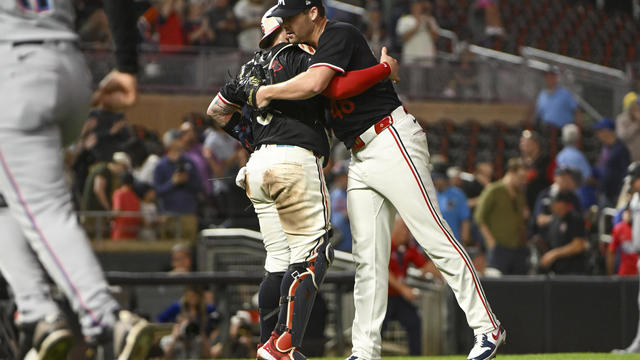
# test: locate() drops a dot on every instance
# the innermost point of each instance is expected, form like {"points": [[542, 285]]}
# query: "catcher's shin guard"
{"points": [[268, 298], [303, 280]]}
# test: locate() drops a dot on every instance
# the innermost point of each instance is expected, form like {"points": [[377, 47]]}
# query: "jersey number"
{"points": [[35, 5], [340, 107]]}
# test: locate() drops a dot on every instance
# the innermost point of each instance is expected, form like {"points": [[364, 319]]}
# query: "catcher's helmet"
{"points": [[268, 25]]}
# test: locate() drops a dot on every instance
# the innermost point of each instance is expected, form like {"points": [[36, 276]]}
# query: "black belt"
{"points": [[42, 42]]}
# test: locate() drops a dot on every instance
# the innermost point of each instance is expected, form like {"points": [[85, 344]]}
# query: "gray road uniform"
{"points": [[45, 87]]}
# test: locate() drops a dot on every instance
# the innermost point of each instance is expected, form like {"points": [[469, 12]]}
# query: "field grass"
{"points": [[560, 356]]}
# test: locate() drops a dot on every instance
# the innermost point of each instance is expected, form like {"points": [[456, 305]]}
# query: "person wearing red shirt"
{"points": [[405, 252], [124, 199], [621, 241]]}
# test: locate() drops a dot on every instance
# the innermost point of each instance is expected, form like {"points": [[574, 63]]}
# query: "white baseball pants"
{"points": [[286, 185], [45, 96], [390, 173]]}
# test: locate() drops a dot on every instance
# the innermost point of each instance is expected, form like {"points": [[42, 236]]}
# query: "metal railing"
{"points": [[164, 226]]}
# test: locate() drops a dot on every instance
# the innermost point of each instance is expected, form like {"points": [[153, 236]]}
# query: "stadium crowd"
{"points": [[535, 212]]}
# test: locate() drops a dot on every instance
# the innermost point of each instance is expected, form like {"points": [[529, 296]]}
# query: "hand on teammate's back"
{"points": [[393, 64], [117, 91]]}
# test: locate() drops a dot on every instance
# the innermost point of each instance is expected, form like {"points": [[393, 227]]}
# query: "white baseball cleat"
{"points": [[486, 345]]}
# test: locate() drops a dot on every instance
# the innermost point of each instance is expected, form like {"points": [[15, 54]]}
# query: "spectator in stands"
{"points": [[194, 329], [555, 105], [375, 30], [111, 130], [125, 226], [500, 214], [181, 258], [193, 150], [538, 164], [249, 13], [224, 24], [419, 31], [612, 163], [453, 203], [338, 196], [148, 211], [621, 248], [565, 239], [405, 252], [92, 23], [570, 156], [196, 26], [102, 181], [628, 125], [482, 177], [177, 185], [163, 23], [225, 156], [566, 179]]}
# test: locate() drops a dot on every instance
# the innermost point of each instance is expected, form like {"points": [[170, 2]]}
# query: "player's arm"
{"points": [[221, 110], [119, 89], [304, 86]]}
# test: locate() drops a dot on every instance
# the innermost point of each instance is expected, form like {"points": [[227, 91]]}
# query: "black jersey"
{"points": [[343, 48], [299, 122]]}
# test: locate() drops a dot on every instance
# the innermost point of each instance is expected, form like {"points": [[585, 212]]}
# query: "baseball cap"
{"points": [[629, 99], [604, 123], [123, 158], [269, 24], [288, 8]]}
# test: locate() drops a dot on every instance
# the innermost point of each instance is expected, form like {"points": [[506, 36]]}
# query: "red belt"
{"points": [[368, 134]]}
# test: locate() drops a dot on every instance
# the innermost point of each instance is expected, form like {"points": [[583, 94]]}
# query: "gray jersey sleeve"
{"points": [[28, 20]]}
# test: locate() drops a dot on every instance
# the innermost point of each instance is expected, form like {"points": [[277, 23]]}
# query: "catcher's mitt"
{"points": [[252, 75]]}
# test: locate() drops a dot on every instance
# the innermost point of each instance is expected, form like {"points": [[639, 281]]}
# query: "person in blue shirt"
{"points": [[453, 203], [177, 184], [338, 196], [570, 156], [612, 163], [555, 105]]}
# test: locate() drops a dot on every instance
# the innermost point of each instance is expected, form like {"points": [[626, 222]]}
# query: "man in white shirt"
{"points": [[419, 31]]}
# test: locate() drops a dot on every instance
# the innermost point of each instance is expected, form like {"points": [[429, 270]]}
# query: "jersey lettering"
{"points": [[276, 66], [341, 107], [35, 5]]}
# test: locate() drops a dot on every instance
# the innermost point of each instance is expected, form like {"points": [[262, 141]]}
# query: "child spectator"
{"points": [[125, 226]]}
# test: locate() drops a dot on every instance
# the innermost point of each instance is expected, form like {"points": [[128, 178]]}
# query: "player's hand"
{"points": [[393, 64], [117, 91], [261, 100]]}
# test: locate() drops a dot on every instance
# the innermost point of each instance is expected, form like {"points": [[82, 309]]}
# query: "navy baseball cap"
{"points": [[604, 123], [289, 8]]}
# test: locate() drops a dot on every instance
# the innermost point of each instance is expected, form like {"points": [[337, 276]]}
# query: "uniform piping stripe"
{"points": [[323, 188], [336, 68], [227, 102], [33, 222], [435, 215]]}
